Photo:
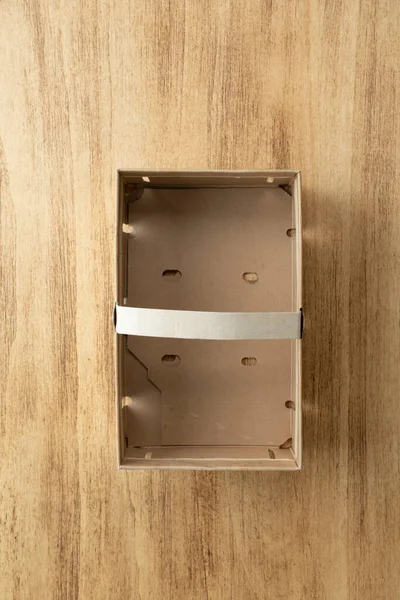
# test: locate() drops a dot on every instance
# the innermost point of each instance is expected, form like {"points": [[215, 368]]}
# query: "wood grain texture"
{"points": [[89, 87]]}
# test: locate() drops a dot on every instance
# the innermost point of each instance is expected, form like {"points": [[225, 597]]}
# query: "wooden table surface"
{"points": [[89, 87]]}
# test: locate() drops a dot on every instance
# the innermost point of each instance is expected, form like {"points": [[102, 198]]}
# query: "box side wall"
{"points": [[297, 374], [120, 340], [208, 178]]}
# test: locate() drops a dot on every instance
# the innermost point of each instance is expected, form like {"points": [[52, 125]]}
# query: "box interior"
{"points": [[207, 245]]}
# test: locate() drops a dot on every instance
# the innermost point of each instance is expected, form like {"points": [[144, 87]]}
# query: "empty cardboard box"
{"points": [[209, 320]]}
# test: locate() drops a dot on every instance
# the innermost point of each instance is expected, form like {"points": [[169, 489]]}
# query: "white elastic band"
{"points": [[187, 324]]}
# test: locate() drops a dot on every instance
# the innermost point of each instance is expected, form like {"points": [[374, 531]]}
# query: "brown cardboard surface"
{"points": [[213, 237], [210, 398]]}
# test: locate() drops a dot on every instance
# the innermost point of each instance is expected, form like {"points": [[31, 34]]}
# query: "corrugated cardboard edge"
{"points": [[119, 339], [298, 445]]}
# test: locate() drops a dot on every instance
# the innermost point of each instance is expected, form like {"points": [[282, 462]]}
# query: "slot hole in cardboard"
{"points": [[126, 401], [174, 274], [129, 229], [250, 277], [290, 404], [249, 361], [287, 444], [171, 360], [291, 233]]}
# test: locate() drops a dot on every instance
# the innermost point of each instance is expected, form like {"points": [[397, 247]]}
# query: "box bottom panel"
{"points": [[207, 393]]}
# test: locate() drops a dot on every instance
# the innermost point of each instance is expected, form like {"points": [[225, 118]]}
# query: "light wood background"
{"points": [[89, 87]]}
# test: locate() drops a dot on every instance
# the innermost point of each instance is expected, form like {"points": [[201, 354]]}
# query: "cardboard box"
{"points": [[209, 320]]}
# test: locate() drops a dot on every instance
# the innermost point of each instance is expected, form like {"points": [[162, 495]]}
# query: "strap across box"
{"points": [[187, 324]]}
